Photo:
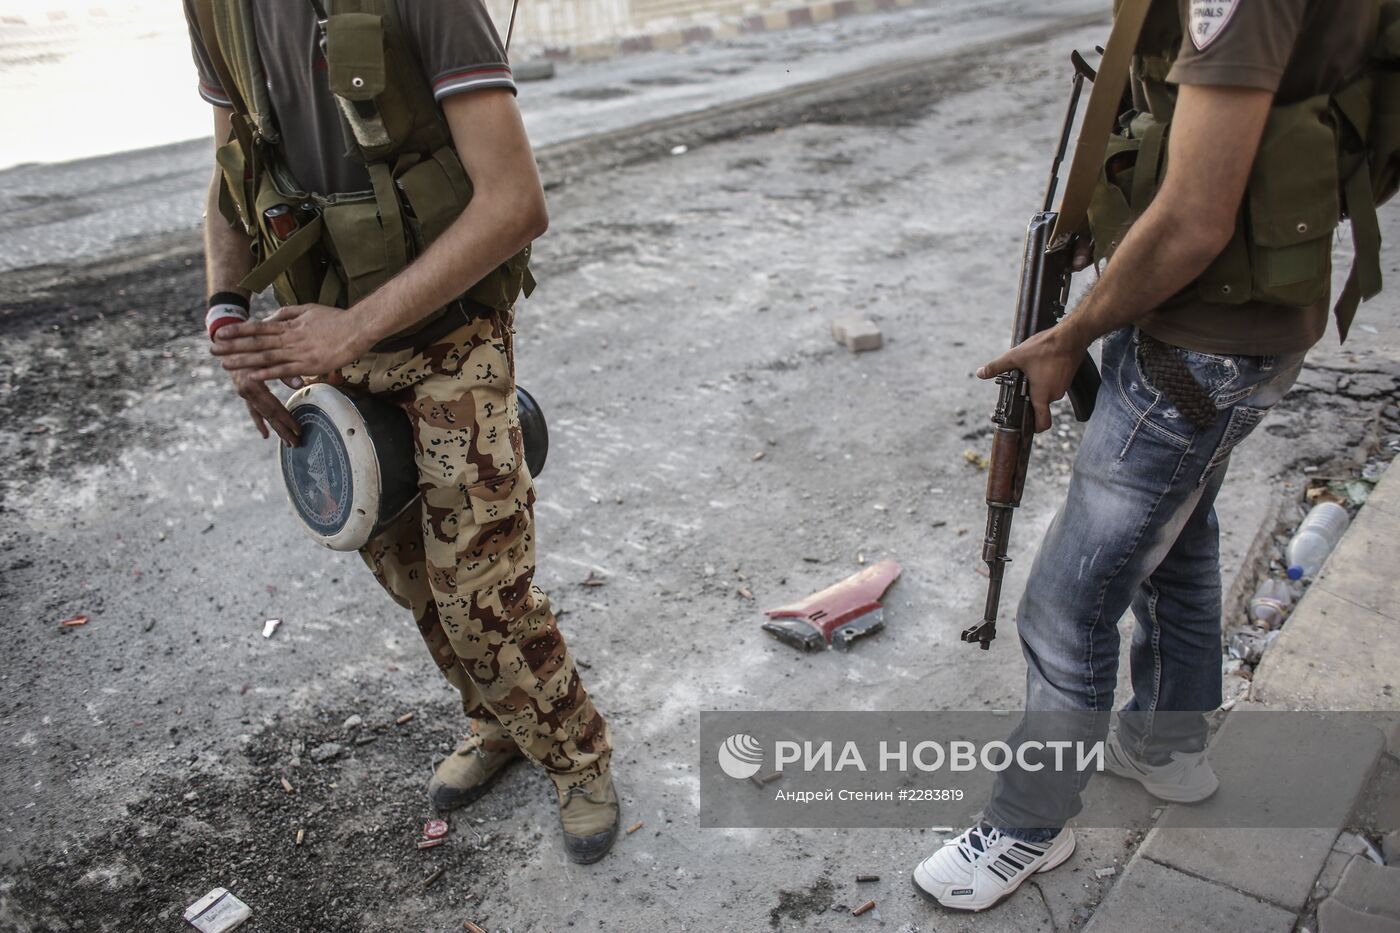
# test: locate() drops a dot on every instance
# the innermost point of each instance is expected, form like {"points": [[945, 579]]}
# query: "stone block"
{"points": [[857, 333], [1366, 900]]}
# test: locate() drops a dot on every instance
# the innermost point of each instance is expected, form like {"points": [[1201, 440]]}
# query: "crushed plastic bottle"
{"points": [[1271, 602], [1315, 539]]}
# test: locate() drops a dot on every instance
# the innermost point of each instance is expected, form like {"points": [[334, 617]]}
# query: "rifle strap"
{"points": [[510, 30], [1105, 100]]}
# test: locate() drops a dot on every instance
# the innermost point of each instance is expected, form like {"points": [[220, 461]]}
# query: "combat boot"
{"points": [[589, 815], [470, 771]]}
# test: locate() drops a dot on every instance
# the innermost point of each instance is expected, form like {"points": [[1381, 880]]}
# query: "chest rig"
{"points": [[335, 248], [1321, 160]]}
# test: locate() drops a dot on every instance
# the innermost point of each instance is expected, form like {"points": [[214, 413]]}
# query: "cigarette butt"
{"points": [[633, 829], [770, 778], [863, 878], [287, 786], [301, 834], [431, 880], [74, 622], [429, 843], [471, 927], [745, 592], [863, 908], [406, 717]]}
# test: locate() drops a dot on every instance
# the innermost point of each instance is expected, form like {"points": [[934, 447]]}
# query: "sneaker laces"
{"points": [[974, 843]]}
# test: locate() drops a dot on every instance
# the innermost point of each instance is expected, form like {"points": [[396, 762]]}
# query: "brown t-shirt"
{"points": [[1298, 49], [454, 41]]}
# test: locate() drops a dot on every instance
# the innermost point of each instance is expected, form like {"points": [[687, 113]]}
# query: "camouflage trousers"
{"points": [[462, 558]]}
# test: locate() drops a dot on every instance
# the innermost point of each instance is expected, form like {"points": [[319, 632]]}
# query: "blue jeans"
{"points": [[1138, 529]]}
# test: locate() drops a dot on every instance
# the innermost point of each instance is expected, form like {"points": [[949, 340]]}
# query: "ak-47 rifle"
{"points": [[1043, 293]]}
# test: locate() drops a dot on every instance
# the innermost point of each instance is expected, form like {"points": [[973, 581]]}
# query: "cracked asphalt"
{"points": [[682, 328]]}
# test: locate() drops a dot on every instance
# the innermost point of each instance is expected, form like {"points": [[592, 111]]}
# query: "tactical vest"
{"points": [[1323, 159], [335, 248]]}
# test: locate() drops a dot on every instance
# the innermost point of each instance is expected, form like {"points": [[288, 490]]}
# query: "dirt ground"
{"points": [[681, 330]]}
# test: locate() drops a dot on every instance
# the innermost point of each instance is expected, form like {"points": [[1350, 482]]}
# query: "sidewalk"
{"points": [[1340, 650]]}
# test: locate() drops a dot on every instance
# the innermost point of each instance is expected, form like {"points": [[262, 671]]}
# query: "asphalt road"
{"points": [[681, 329]]}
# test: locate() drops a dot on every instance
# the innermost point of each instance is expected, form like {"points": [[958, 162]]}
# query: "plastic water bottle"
{"points": [[1315, 539], [1271, 603]]}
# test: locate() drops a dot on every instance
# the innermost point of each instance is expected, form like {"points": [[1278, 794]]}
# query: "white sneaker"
{"points": [[984, 865], [1187, 778]]}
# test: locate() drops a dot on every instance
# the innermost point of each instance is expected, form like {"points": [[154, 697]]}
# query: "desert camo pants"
{"points": [[462, 558]]}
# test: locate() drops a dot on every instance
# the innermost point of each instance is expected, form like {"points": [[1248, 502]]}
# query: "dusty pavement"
{"points": [[682, 329]]}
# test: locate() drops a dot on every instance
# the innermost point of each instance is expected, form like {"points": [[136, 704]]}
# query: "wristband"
{"points": [[225, 308]]}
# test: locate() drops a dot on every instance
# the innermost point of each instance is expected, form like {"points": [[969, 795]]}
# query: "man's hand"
{"points": [[1049, 361], [266, 407], [303, 340]]}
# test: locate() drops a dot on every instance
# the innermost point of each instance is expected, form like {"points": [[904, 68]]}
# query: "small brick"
{"points": [[857, 333]]}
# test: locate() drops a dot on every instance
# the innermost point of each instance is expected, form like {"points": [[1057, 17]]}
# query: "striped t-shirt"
{"points": [[454, 40]]}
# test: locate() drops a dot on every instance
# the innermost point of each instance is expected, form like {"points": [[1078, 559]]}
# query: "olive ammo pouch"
{"points": [[337, 248], [1320, 160]]}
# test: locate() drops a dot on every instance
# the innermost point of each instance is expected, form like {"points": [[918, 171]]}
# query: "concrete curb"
{"points": [[804, 14], [1337, 651]]}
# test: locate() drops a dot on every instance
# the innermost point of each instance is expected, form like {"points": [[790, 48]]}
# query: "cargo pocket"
{"points": [[1110, 215], [499, 498], [358, 241], [298, 270], [355, 56], [1243, 420], [1294, 205], [435, 201]]}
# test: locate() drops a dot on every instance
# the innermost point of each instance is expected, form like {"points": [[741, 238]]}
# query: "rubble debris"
{"points": [[679, 150], [435, 829], [352, 722], [857, 333], [325, 752], [74, 622], [862, 879], [863, 908], [217, 912], [634, 827], [270, 626], [1102, 873], [976, 459], [405, 718], [367, 740], [1247, 642], [758, 456], [837, 615]]}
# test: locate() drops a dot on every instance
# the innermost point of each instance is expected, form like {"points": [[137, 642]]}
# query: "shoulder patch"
{"points": [[1209, 19]]}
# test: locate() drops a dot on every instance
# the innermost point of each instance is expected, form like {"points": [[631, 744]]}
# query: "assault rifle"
{"points": [[1043, 293]]}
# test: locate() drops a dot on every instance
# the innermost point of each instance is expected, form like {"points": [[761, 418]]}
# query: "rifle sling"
{"points": [[1104, 103]]}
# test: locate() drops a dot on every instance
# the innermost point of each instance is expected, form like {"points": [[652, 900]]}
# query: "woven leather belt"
{"points": [[1169, 374]]}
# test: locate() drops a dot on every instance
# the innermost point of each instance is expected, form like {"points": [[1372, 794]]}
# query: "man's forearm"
{"points": [[1162, 254], [228, 256], [485, 235]]}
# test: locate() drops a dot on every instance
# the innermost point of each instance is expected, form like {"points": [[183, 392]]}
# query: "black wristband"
{"points": [[227, 298]]}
